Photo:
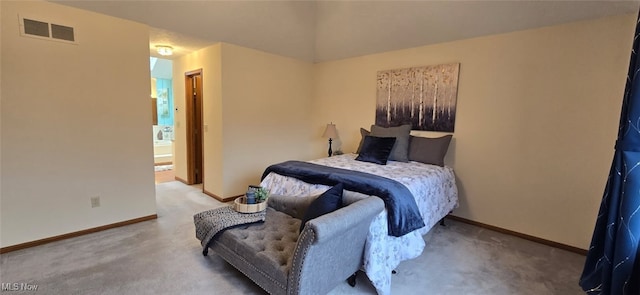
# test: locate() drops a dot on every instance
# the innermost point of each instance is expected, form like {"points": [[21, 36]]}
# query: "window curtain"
{"points": [[613, 261]]}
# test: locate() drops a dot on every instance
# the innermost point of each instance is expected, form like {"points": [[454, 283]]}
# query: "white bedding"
{"points": [[433, 187]]}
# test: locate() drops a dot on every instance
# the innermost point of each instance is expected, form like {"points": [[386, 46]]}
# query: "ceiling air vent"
{"points": [[34, 27], [62, 32], [47, 31]]}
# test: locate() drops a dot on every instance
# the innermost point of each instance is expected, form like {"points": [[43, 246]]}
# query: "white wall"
{"points": [[256, 113], [536, 120], [75, 124]]}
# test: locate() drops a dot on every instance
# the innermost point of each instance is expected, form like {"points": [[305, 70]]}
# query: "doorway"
{"points": [[162, 106], [193, 99]]}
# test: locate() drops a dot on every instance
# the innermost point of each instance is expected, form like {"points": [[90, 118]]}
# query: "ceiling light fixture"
{"points": [[164, 50]]}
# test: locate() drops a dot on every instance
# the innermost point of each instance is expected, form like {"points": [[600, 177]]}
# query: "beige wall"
{"points": [[207, 59], [537, 118], [1, 66], [75, 124], [266, 104], [536, 122], [256, 108]]}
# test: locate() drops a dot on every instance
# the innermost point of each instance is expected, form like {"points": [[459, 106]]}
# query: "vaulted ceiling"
{"points": [[328, 30]]}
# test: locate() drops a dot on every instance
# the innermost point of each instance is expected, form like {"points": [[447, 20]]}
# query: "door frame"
{"points": [[191, 128]]}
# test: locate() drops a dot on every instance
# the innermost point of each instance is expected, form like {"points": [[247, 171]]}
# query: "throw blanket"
{"points": [[211, 222], [403, 213]]}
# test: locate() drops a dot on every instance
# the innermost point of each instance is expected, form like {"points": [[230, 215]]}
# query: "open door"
{"points": [[193, 97]]}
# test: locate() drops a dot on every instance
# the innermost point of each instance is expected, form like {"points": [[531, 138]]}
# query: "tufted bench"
{"points": [[281, 261]]}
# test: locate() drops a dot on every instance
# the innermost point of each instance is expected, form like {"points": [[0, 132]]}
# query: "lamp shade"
{"points": [[330, 131]]}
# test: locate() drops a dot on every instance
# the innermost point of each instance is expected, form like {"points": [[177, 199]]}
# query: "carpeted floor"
{"points": [[163, 257]]}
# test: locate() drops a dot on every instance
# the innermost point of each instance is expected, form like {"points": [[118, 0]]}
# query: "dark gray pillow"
{"points": [[364, 133], [329, 201], [429, 150], [376, 149], [400, 151]]}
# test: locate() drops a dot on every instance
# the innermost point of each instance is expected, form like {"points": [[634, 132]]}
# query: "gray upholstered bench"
{"points": [[328, 250]]}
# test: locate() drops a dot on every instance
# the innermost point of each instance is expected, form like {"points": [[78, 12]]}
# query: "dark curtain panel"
{"points": [[634, 287], [609, 268]]}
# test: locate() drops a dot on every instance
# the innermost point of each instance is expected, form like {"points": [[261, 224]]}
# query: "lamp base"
{"points": [[330, 151]]}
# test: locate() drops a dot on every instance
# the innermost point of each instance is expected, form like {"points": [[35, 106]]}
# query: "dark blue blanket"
{"points": [[403, 214]]}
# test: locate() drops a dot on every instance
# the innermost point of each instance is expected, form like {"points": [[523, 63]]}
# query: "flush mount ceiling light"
{"points": [[164, 50]]}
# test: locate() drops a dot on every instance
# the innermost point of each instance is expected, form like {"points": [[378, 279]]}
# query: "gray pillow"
{"points": [[364, 134], [400, 151], [429, 150]]}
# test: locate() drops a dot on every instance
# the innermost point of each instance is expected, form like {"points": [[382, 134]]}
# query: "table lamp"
{"points": [[331, 133]]}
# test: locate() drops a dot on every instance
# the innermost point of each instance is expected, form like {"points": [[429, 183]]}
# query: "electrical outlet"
{"points": [[95, 202]]}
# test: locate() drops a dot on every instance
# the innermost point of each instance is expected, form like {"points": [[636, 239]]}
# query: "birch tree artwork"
{"points": [[424, 97]]}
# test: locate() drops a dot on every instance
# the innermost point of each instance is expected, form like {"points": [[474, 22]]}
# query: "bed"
{"points": [[433, 188]]}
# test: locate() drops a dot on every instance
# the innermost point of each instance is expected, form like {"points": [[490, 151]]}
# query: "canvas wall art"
{"points": [[424, 97]]}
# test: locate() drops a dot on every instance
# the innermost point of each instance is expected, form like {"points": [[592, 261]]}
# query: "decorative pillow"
{"points": [[376, 149], [329, 201], [400, 151], [429, 150], [364, 133]]}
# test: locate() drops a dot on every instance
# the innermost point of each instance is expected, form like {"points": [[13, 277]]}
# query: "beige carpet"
{"points": [[163, 257]]}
